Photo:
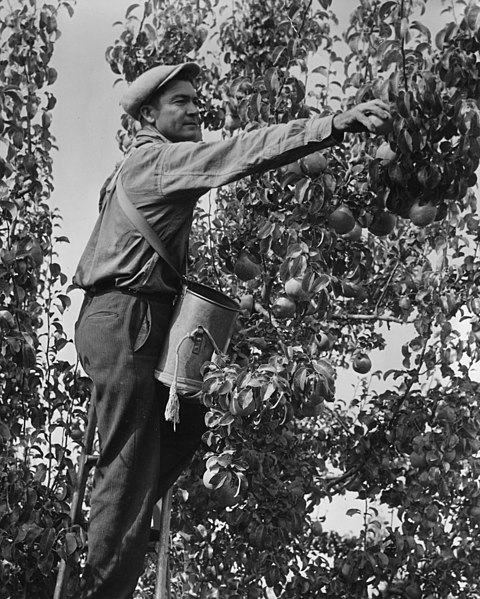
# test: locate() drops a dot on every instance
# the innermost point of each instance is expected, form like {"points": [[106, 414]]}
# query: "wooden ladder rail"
{"points": [[85, 463], [162, 586]]}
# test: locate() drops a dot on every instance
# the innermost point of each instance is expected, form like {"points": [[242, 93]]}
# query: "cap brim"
{"points": [[191, 69], [142, 89]]}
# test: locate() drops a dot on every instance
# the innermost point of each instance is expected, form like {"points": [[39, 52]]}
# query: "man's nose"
{"points": [[192, 108]]}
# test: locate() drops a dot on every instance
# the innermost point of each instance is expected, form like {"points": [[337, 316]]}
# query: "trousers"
{"points": [[118, 337]]}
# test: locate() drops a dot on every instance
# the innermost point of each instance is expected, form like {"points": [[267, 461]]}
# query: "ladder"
{"points": [[86, 461]]}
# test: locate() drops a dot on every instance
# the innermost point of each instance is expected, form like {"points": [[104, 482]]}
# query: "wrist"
{"points": [[337, 131]]}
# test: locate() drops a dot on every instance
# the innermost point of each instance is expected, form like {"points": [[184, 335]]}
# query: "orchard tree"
{"points": [[39, 391], [329, 256]]}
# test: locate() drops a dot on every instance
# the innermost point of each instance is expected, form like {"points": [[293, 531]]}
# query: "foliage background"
{"points": [[413, 447]]}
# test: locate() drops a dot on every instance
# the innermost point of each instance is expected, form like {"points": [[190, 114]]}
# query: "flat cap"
{"points": [[148, 82]]}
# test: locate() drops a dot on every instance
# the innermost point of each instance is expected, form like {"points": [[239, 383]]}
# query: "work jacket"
{"points": [[164, 180]]}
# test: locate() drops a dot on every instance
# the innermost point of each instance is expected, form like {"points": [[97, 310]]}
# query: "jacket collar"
{"points": [[149, 134]]}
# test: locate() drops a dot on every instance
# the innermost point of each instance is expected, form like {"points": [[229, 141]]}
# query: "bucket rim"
{"points": [[229, 303]]}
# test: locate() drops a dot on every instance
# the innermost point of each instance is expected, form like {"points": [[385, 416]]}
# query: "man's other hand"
{"points": [[373, 116]]}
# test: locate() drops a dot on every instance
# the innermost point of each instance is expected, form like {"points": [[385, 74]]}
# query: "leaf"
{"points": [[266, 230], [386, 9], [130, 9], [46, 564], [324, 368], [278, 53], [296, 249], [225, 387], [40, 473], [11, 207], [5, 434], [272, 80], [300, 378], [70, 543], [52, 75], [321, 282], [297, 266], [269, 391], [301, 189], [472, 17], [33, 532], [69, 8], [225, 459], [293, 10], [404, 27], [226, 420], [321, 70], [329, 182], [36, 253], [423, 29], [14, 92], [7, 318]]}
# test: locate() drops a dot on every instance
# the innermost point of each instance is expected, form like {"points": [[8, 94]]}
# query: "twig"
{"points": [[338, 419], [210, 241], [404, 60], [349, 474], [299, 33], [371, 317], [385, 288]]}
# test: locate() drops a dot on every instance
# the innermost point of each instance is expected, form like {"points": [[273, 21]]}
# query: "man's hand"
{"points": [[373, 116]]}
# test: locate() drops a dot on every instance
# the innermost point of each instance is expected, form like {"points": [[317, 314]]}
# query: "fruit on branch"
{"points": [[385, 153], [232, 123], [76, 433], [355, 234], [232, 490], [404, 303], [381, 126], [246, 267], [294, 289], [418, 460], [283, 308], [247, 303], [324, 341], [442, 211], [422, 215], [314, 164], [383, 223], [243, 403], [209, 479], [354, 290], [342, 220], [291, 173], [361, 363]]}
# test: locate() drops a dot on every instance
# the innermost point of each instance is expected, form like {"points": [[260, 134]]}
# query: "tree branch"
{"points": [[361, 317]]}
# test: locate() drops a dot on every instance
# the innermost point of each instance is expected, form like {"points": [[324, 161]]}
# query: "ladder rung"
{"points": [[91, 459]]}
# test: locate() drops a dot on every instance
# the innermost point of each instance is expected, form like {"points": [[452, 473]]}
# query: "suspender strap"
{"points": [[140, 223]]}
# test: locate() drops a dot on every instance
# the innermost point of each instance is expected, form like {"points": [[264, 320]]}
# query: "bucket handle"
{"points": [[172, 409]]}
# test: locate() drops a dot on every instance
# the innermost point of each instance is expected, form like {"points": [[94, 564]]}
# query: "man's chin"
{"points": [[194, 135]]}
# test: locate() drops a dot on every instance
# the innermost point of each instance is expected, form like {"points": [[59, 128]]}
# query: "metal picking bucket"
{"points": [[202, 322]]}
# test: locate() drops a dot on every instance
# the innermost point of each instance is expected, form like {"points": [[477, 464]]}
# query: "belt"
{"points": [[167, 299]]}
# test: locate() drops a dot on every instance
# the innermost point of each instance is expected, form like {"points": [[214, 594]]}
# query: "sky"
{"points": [[86, 119]]}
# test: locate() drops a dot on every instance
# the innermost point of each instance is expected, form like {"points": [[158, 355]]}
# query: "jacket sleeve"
{"points": [[197, 167]]}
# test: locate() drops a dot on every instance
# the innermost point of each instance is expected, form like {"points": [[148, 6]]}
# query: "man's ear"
{"points": [[146, 113]]}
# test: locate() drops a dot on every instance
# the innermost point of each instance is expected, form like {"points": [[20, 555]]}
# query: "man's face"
{"points": [[175, 112]]}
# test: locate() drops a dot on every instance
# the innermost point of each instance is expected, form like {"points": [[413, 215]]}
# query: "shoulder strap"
{"points": [[141, 224]]}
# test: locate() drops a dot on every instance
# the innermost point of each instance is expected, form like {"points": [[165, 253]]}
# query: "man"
{"points": [[129, 296]]}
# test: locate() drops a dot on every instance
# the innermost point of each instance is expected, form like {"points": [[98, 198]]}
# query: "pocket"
{"points": [[101, 314], [144, 330]]}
